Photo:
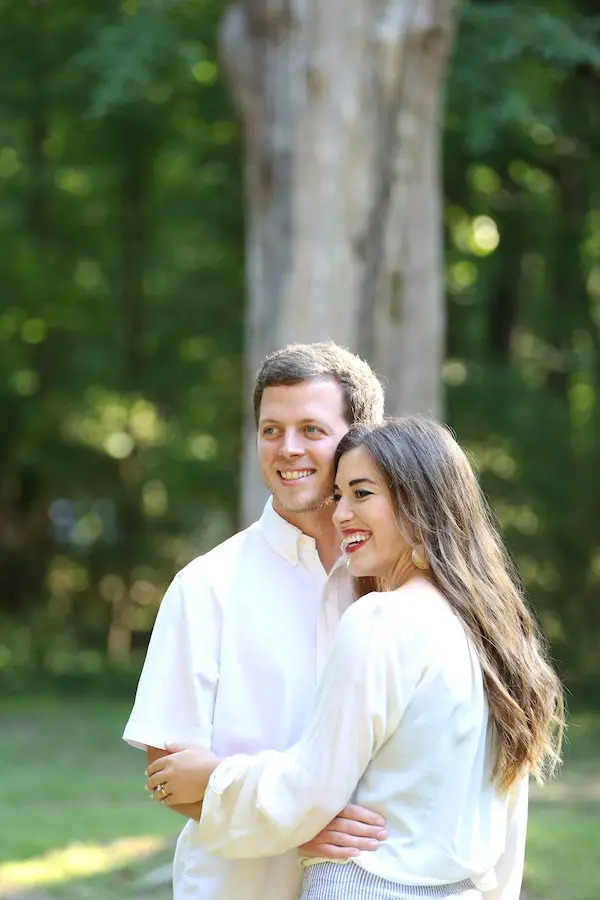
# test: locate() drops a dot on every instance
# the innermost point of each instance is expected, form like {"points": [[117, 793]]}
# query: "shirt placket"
{"points": [[336, 598]]}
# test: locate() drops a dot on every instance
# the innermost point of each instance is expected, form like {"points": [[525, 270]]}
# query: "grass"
{"points": [[75, 819], [564, 824], [68, 781]]}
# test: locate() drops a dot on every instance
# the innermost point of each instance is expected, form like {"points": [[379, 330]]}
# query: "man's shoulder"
{"points": [[222, 558]]}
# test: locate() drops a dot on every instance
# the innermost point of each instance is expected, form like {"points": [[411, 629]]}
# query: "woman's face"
{"points": [[365, 519]]}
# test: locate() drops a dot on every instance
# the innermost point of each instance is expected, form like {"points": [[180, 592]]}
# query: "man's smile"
{"points": [[294, 475]]}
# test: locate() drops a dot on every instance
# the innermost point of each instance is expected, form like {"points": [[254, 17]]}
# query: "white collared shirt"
{"points": [[400, 726], [240, 638]]}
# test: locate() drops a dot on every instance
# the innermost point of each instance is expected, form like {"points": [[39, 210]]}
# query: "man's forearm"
{"points": [[181, 777], [189, 810]]}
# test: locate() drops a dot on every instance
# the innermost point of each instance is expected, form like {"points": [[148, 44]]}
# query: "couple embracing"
{"points": [[347, 699]]}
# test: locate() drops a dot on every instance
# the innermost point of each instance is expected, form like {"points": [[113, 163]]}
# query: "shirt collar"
{"points": [[282, 536]]}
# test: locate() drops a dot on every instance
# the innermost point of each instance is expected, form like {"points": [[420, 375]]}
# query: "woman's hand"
{"points": [[182, 776]]}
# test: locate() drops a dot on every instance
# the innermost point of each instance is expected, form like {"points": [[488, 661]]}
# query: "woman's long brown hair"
{"points": [[436, 495]]}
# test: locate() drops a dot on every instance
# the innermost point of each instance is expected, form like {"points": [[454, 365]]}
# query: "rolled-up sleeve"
{"points": [[176, 692], [269, 803]]}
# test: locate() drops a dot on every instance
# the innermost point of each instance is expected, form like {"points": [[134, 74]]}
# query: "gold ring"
{"points": [[160, 792]]}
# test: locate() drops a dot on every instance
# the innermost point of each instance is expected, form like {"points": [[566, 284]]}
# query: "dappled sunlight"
{"points": [[116, 423], [78, 860], [496, 457], [484, 179], [476, 235], [530, 177], [461, 275], [484, 237]]}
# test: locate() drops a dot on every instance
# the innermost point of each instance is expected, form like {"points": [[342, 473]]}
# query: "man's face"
{"points": [[299, 429]]}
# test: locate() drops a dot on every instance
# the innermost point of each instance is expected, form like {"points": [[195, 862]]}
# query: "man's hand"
{"points": [[182, 776], [355, 829]]}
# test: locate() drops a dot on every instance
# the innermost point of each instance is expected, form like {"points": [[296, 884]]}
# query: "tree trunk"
{"points": [[340, 107]]}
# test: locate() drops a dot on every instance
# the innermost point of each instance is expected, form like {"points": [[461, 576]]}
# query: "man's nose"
{"points": [[292, 445]]}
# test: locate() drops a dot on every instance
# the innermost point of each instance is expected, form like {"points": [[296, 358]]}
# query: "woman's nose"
{"points": [[342, 513]]}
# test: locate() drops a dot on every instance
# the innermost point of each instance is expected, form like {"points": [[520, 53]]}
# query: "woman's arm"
{"points": [[509, 869], [272, 802]]}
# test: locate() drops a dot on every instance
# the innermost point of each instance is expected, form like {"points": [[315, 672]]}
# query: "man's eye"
{"points": [[269, 431], [313, 429]]}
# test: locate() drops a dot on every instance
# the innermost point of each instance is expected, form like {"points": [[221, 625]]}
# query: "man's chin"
{"points": [[299, 506]]}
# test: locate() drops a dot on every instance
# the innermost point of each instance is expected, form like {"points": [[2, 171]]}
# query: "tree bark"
{"points": [[340, 108]]}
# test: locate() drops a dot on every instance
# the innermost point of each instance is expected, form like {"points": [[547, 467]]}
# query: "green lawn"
{"points": [[76, 822], [69, 780], [563, 846]]}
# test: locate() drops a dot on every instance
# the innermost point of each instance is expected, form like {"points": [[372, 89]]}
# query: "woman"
{"points": [[435, 706]]}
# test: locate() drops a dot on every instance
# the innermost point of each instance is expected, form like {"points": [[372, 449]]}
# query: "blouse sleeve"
{"points": [[509, 869], [267, 804]]}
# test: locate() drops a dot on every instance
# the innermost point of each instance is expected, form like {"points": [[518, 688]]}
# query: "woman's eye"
{"points": [[336, 498], [360, 494]]}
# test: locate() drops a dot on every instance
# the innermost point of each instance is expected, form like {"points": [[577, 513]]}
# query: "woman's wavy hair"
{"points": [[438, 503]]}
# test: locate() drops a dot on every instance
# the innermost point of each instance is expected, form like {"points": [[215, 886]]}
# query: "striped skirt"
{"points": [[347, 881]]}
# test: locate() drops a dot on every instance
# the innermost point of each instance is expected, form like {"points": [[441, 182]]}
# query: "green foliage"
{"points": [[121, 320], [523, 346], [127, 56], [121, 317], [511, 59]]}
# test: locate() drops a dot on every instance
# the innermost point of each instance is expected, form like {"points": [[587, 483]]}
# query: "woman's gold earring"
{"points": [[419, 558]]}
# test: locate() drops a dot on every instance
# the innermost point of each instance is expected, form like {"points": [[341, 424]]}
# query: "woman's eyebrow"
{"points": [[356, 481]]}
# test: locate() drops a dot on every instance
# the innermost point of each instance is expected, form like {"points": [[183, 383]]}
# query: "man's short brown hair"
{"points": [[361, 389]]}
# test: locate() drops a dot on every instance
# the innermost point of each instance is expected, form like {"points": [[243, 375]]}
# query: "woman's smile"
{"points": [[354, 540]]}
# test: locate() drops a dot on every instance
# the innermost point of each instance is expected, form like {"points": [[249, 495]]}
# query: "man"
{"points": [[243, 632]]}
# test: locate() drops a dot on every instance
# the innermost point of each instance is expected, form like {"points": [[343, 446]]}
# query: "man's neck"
{"points": [[318, 525]]}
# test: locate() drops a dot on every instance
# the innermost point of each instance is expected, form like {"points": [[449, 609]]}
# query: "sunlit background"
{"points": [[121, 358]]}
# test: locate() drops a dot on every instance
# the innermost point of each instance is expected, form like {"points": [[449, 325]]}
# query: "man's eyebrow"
{"points": [[313, 419]]}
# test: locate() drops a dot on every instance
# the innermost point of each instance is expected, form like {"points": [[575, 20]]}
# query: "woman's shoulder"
{"points": [[414, 606], [412, 623], [412, 612]]}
